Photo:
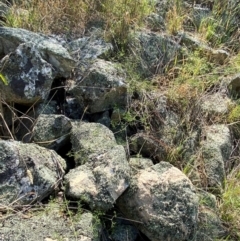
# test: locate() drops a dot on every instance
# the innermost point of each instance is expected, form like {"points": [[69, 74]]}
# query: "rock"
{"points": [[215, 104], [102, 88], [51, 131], [234, 85], [50, 50], [87, 49], [138, 163], [156, 51], [210, 226], [102, 118], [215, 150], [217, 56], [89, 138], [164, 201], [28, 172], [148, 146], [50, 224], [104, 173], [28, 77]]}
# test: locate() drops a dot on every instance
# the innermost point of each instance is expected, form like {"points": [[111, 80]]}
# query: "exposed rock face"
{"points": [[104, 175], [102, 88], [51, 131], [164, 200], [28, 172]]}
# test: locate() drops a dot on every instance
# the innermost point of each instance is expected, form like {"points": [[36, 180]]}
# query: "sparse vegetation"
{"points": [[190, 77]]}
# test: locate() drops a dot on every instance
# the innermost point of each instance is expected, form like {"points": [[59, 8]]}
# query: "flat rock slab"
{"points": [[49, 223], [28, 172]]}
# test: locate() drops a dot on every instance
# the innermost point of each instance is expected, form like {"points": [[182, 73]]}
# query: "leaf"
{"points": [[4, 79]]}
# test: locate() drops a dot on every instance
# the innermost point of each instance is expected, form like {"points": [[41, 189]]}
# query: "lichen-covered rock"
{"points": [[50, 49], [163, 199], [214, 152], [156, 51], [51, 131], [210, 226], [49, 224], [104, 173], [28, 78], [215, 104], [87, 49], [102, 88], [28, 172]]}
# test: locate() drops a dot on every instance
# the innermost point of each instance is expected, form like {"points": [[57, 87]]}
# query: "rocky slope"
{"points": [[99, 146]]}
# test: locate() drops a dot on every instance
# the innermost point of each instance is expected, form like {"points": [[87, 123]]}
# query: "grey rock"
{"points": [[104, 173], [50, 50], [164, 202], [102, 88], [51, 131], [28, 172], [214, 152], [28, 77], [139, 163], [49, 224], [156, 50], [215, 104], [85, 50], [218, 56], [210, 226]]}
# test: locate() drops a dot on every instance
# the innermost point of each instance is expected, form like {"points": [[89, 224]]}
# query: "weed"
{"points": [[175, 18]]}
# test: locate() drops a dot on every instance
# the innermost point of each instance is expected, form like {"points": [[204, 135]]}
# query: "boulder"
{"points": [[50, 49], [164, 202], [26, 77], [51, 131], [104, 173], [28, 172], [102, 88]]}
